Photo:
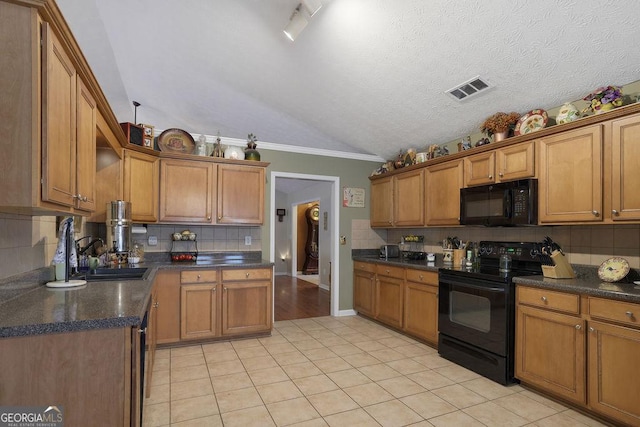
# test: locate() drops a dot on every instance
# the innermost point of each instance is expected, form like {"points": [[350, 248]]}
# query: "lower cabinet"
{"points": [[582, 349], [246, 301], [199, 304], [389, 292], [152, 337], [364, 288], [167, 283], [403, 298], [92, 374], [421, 305]]}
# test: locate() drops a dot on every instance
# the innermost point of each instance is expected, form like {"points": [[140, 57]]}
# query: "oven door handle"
{"points": [[479, 288]]}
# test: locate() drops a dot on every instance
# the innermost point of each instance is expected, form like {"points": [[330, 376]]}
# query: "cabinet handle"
{"points": [[224, 289], [246, 275], [219, 217], [213, 289], [387, 271], [544, 299], [500, 174], [490, 176], [142, 331], [591, 329], [615, 212], [629, 314], [198, 277], [578, 327], [209, 218], [595, 213], [156, 304], [421, 277]]}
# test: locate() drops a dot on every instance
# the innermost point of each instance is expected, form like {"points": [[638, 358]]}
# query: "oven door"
{"points": [[475, 311]]}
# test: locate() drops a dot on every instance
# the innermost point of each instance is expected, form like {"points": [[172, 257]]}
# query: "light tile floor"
{"points": [[328, 371]]}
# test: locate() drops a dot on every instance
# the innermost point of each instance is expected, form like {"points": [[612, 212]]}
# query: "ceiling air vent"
{"points": [[468, 89]]}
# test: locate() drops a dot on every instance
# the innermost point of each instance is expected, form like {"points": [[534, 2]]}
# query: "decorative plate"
{"points": [[532, 121], [613, 269], [176, 141]]}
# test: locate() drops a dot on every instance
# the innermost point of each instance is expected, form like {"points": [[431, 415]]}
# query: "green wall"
{"points": [[352, 173]]}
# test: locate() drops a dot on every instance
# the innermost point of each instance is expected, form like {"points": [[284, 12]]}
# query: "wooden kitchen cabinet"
{"points": [[240, 196], [389, 294], [364, 288], [625, 169], [421, 305], [550, 352], [199, 304], [246, 301], [152, 339], [381, 213], [503, 164], [167, 284], [398, 201], [570, 176], [613, 342], [141, 185], [187, 191], [443, 184], [86, 110]]}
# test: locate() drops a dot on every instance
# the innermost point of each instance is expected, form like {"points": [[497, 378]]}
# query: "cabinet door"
{"points": [[381, 214], [246, 307], [570, 176], [187, 191], [390, 300], [198, 311], [152, 335], [614, 380], [141, 185], [167, 283], [408, 199], [480, 169], [625, 169], [58, 122], [443, 184], [550, 352], [240, 194], [364, 292], [85, 149], [515, 162], [421, 309]]}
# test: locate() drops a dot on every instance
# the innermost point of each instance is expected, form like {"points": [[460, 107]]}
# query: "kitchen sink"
{"points": [[123, 273]]}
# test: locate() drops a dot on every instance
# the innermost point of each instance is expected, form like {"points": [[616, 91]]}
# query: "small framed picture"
{"points": [[148, 142], [148, 131]]}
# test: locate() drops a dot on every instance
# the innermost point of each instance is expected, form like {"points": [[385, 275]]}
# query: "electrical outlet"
{"points": [[152, 241], [247, 240]]}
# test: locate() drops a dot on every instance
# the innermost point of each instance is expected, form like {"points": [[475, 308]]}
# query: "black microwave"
{"points": [[503, 204]]}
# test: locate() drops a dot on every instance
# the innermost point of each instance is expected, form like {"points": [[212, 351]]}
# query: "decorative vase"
{"points": [[604, 108], [250, 153], [499, 136], [568, 113], [233, 152]]}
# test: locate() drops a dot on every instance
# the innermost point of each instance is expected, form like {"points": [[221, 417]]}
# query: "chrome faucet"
{"points": [[82, 250]]}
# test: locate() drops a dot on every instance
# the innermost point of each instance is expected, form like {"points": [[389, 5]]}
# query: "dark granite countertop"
{"points": [[586, 281], [28, 307]]}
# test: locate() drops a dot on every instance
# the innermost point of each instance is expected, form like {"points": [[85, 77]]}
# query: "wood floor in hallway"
{"points": [[296, 298]]}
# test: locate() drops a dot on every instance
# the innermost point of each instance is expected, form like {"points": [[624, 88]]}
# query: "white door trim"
{"points": [[334, 223]]}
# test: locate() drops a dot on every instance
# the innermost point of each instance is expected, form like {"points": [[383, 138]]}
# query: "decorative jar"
{"points": [[568, 113]]}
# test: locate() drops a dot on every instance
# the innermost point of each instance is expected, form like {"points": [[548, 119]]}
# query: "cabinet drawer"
{"points": [[246, 274], [198, 276], [421, 276], [560, 301], [387, 270], [617, 311], [364, 266]]}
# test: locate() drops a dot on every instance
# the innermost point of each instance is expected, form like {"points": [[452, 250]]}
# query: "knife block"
{"points": [[561, 268]]}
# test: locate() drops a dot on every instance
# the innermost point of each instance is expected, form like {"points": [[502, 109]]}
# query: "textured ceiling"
{"points": [[365, 76]]}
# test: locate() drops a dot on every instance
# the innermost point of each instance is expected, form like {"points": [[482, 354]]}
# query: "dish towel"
{"points": [[66, 229]]}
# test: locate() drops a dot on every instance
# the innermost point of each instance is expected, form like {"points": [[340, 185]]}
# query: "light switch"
{"points": [[152, 241], [247, 240]]}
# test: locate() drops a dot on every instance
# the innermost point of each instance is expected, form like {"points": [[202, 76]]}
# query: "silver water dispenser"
{"points": [[119, 227]]}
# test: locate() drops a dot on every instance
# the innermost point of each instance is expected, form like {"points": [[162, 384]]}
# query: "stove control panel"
{"points": [[525, 251]]}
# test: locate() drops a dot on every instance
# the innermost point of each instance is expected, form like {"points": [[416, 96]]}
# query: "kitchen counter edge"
{"points": [[23, 301]]}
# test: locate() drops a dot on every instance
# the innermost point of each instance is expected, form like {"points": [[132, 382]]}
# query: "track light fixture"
{"points": [[298, 20]]}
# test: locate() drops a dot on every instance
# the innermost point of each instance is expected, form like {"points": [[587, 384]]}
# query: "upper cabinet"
{"points": [[398, 201], [570, 176], [504, 164], [48, 119], [625, 169], [141, 185], [187, 191], [443, 183], [240, 194]]}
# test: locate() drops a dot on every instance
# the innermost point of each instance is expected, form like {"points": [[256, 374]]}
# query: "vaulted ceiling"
{"points": [[365, 76]]}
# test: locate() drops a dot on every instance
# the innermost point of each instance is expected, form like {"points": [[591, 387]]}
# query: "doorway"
{"points": [[288, 190]]}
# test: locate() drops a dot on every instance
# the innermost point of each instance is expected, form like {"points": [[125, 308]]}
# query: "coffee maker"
{"points": [[119, 229]]}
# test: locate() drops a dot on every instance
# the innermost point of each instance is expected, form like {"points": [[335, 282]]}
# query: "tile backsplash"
{"points": [[588, 245]]}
